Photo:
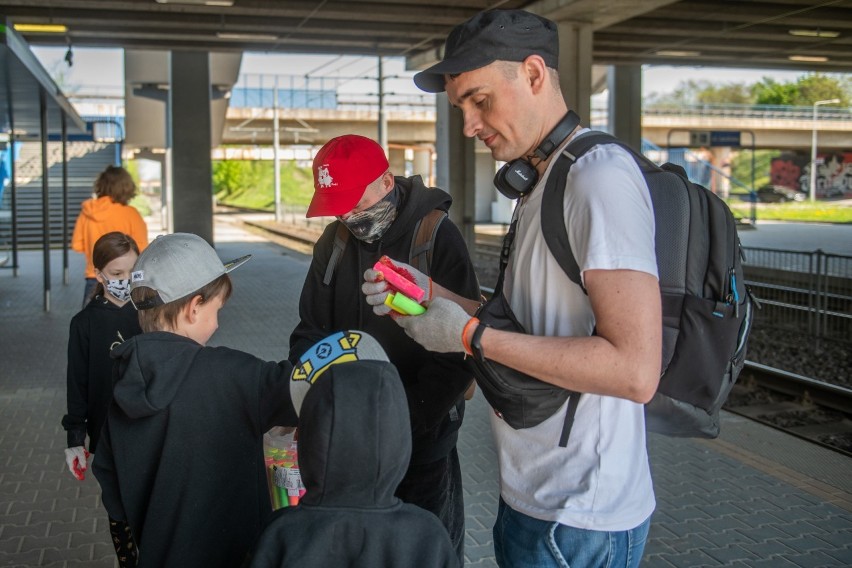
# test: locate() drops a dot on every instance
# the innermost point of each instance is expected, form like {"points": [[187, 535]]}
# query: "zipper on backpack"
{"points": [[734, 296]]}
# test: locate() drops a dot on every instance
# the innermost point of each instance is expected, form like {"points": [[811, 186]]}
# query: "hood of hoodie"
{"points": [[152, 367], [99, 209], [354, 436], [414, 205]]}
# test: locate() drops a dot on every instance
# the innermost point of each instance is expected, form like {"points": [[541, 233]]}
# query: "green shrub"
{"points": [[251, 184]]}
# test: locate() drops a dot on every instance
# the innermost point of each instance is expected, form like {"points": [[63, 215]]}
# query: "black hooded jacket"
{"points": [[354, 446], [181, 456], [434, 383], [93, 332]]}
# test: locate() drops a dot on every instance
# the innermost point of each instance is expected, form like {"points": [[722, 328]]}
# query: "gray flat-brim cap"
{"points": [[495, 35]]}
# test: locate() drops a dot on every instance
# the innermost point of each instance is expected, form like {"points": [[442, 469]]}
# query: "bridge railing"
{"points": [[298, 91], [826, 113]]}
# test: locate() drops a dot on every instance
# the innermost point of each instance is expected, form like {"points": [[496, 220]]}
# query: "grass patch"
{"points": [[251, 184], [805, 212]]}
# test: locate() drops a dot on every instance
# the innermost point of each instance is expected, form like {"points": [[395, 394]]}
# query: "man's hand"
{"points": [[376, 289], [76, 459], [439, 329], [375, 292]]}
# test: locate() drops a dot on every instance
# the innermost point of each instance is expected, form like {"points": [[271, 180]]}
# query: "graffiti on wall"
{"points": [[833, 174]]}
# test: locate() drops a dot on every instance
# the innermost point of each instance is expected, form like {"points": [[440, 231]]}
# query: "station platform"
{"points": [[754, 497]]}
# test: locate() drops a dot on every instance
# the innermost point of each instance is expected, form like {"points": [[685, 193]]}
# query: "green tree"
{"points": [[731, 93], [805, 91], [818, 87], [704, 92], [770, 92]]}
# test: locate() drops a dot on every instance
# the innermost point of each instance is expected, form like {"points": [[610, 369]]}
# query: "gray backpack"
{"points": [[707, 308]]}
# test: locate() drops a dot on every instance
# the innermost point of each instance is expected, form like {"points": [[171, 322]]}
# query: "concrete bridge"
{"points": [[413, 125]]}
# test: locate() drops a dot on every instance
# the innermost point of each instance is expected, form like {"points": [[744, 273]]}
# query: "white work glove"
{"points": [[440, 328], [376, 289], [375, 292], [76, 459]]}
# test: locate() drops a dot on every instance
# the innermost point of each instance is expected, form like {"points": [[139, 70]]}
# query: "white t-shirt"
{"points": [[601, 480]]}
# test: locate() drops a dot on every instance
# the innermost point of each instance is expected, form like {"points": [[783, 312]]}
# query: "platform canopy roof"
{"points": [[787, 34], [22, 81]]}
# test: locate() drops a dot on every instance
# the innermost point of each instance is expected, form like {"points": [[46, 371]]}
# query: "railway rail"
{"points": [[804, 407]]}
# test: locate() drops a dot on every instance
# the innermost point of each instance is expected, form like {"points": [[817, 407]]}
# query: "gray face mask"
{"points": [[119, 289], [372, 223]]}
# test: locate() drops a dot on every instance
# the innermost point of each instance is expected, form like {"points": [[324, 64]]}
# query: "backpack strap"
{"points": [[341, 237], [552, 202], [420, 253], [553, 223]]}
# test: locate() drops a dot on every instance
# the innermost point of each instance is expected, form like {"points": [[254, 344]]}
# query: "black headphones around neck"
{"points": [[518, 177]]}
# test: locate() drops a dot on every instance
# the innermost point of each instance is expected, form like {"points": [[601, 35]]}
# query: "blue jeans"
{"points": [[521, 541]]}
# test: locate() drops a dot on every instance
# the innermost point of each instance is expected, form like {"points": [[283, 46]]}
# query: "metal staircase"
{"points": [[85, 161]]}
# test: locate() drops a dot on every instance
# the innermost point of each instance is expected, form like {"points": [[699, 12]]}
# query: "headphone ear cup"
{"points": [[502, 185], [516, 178]]}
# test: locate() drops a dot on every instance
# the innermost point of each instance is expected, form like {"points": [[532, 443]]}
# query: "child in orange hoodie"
{"points": [[106, 212]]}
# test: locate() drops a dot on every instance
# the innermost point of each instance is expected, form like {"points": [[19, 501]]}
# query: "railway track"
{"points": [[801, 406]]}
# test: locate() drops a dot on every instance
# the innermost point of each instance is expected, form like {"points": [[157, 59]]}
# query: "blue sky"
{"points": [[105, 68]]}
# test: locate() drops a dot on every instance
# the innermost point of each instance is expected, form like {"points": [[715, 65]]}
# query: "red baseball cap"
{"points": [[343, 168]]}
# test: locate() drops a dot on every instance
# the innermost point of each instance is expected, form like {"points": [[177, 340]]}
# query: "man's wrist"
{"points": [[467, 333], [476, 341]]}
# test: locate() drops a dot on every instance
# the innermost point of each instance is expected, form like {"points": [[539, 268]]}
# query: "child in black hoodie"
{"points": [[354, 448], [107, 320], [180, 456]]}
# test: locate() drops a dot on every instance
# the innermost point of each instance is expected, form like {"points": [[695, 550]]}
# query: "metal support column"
{"points": [[45, 199]]}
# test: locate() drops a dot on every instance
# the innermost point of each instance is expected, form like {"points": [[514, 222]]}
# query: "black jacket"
{"points": [[94, 330], [181, 456], [354, 446], [434, 383]]}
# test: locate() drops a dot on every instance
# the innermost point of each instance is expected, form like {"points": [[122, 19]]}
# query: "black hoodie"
{"points": [[434, 383], [354, 446], [93, 332], [181, 456]]}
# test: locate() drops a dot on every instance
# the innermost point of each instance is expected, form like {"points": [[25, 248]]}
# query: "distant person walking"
{"points": [[106, 212]]}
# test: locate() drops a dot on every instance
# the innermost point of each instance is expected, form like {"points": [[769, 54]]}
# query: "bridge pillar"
{"points": [[396, 159], [575, 67], [485, 192], [189, 120], [625, 103], [422, 165], [722, 160], [456, 166]]}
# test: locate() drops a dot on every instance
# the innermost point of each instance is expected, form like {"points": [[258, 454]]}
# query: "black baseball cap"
{"points": [[495, 35]]}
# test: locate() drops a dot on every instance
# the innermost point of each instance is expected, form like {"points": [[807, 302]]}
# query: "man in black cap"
{"points": [[587, 504]]}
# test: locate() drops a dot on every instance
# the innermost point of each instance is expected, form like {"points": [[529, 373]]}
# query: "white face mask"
{"points": [[119, 289]]}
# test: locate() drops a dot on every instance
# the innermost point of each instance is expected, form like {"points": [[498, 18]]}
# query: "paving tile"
{"points": [[729, 554], [79, 553], [21, 559], [10, 545], [30, 530], [59, 542]]}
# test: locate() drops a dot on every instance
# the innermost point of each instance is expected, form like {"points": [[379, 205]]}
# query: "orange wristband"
{"points": [[465, 342]]}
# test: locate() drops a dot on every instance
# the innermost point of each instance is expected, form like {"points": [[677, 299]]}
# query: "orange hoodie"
{"points": [[99, 216]]}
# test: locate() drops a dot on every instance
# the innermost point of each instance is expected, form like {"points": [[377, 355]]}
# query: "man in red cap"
{"points": [[353, 182]]}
